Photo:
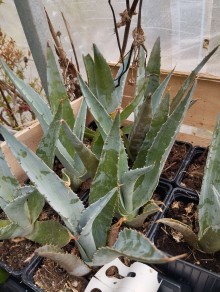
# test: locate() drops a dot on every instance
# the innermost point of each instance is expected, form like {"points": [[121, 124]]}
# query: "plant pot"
{"points": [[39, 263], [163, 192], [12, 250], [176, 161], [27, 276], [14, 285], [198, 278], [190, 177], [16, 274], [167, 284]]}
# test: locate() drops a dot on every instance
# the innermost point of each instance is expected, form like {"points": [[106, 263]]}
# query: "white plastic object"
{"points": [[142, 278]]}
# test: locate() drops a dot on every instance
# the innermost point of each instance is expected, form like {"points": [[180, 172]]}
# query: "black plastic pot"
{"points": [[169, 285], [14, 285], [164, 189], [27, 276], [195, 153], [14, 273], [172, 180], [198, 279]]}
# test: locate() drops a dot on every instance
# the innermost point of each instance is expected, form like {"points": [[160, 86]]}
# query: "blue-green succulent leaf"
{"points": [[61, 198], [191, 79], [49, 232], [86, 155], [140, 127], [104, 82], [100, 115], [89, 65], [106, 179], [159, 152], [8, 183], [17, 210], [38, 105], [209, 200], [69, 262], [57, 91], [87, 219], [158, 120], [131, 244], [47, 147]]}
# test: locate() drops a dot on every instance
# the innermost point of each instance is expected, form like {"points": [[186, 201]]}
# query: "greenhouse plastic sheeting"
{"points": [[188, 29]]}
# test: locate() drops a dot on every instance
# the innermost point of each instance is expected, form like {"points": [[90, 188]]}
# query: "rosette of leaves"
{"points": [[116, 187], [79, 220], [146, 144], [208, 238]]}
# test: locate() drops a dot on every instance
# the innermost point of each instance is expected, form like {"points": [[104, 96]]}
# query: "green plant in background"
{"points": [[208, 238], [120, 185]]}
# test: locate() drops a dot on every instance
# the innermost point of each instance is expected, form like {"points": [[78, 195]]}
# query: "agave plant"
{"points": [[208, 238], [80, 220], [149, 139], [117, 188]]}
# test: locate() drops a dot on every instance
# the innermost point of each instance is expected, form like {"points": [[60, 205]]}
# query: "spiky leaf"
{"points": [[87, 157], [57, 91], [80, 123], [89, 65], [127, 182], [158, 120], [184, 229], [150, 208], [153, 68], [8, 183], [191, 79], [120, 80], [134, 245], [135, 102], [69, 262], [104, 81], [106, 179], [35, 203], [140, 127], [9, 230], [209, 202], [86, 240], [34, 100], [97, 110], [97, 144], [49, 232], [61, 198], [47, 147], [158, 94], [17, 210], [159, 152], [141, 74]]}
